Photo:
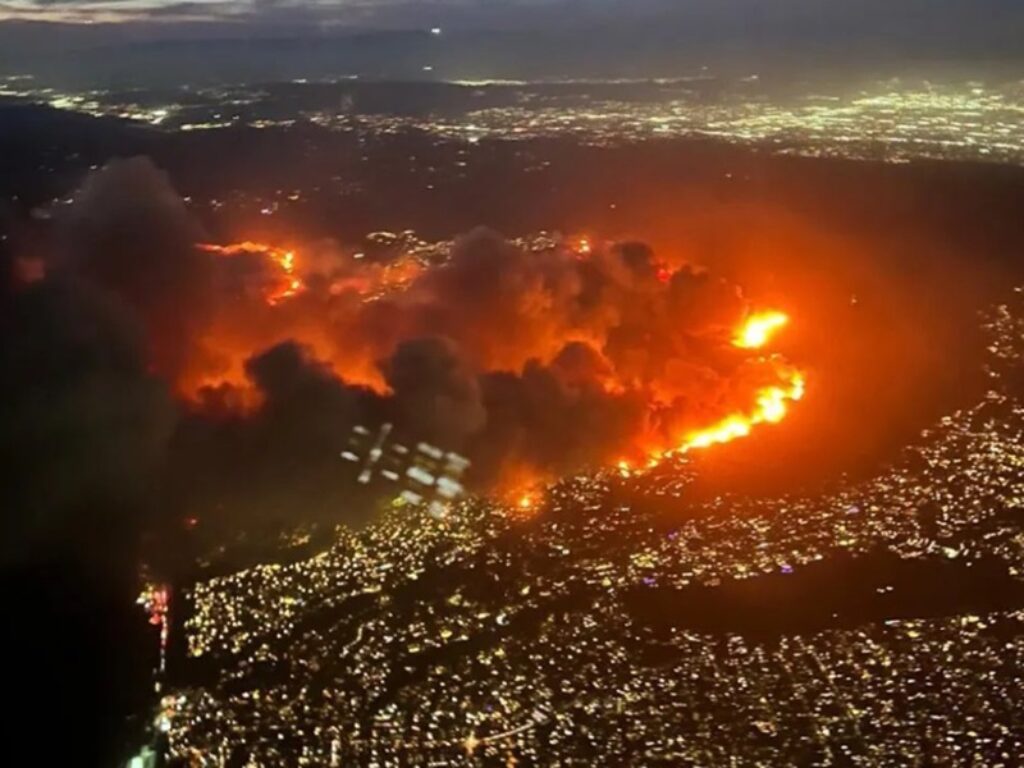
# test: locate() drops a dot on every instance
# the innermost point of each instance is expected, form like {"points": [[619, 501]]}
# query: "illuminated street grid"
{"points": [[487, 639], [893, 120]]}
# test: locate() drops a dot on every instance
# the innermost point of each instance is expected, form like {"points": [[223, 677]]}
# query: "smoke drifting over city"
{"points": [[236, 373]]}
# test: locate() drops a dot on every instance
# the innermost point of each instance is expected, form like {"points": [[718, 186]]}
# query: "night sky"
{"points": [[899, 20], [502, 38]]}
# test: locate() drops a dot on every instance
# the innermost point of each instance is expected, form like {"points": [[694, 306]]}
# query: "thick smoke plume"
{"points": [[532, 361]]}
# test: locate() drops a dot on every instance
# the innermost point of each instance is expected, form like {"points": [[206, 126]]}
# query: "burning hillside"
{"points": [[534, 358], [609, 327]]}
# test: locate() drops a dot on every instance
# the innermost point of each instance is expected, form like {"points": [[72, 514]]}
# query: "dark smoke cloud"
{"points": [[278, 462], [83, 424], [532, 362], [541, 361], [84, 430], [550, 419], [129, 232], [436, 394]]}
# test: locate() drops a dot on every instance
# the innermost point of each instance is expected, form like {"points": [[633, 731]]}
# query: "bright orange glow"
{"points": [[771, 408], [759, 329], [583, 247], [338, 321], [526, 502], [771, 404], [289, 284]]}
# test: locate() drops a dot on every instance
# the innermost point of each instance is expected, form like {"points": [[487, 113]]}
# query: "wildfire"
{"points": [[289, 284], [282, 280], [771, 403], [759, 329]]}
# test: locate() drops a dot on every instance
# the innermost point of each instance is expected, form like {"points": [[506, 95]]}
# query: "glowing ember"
{"points": [[759, 329], [289, 284]]}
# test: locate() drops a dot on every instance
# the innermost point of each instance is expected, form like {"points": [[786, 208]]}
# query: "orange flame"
{"points": [[771, 403], [289, 285], [582, 247], [759, 329]]}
